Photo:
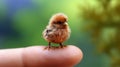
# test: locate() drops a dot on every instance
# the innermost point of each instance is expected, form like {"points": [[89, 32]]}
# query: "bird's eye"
{"points": [[59, 22]]}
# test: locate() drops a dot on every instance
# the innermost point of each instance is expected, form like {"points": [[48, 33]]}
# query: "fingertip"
{"points": [[60, 57], [76, 53]]}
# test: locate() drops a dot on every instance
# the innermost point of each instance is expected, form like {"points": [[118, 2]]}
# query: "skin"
{"points": [[38, 56]]}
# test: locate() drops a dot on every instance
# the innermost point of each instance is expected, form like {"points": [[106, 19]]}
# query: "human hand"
{"points": [[38, 56]]}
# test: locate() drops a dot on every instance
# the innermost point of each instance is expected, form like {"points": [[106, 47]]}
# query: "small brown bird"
{"points": [[57, 30]]}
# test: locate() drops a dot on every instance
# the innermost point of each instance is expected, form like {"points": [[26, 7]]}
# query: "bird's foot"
{"points": [[48, 47], [61, 45]]}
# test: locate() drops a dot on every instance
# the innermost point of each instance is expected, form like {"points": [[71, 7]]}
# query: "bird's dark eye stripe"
{"points": [[59, 22]]}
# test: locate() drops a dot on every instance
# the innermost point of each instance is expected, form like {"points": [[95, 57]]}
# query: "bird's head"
{"points": [[59, 20]]}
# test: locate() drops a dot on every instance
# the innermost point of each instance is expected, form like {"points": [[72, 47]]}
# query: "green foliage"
{"points": [[102, 18]]}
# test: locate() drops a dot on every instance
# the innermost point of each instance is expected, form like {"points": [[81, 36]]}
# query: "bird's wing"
{"points": [[47, 31]]}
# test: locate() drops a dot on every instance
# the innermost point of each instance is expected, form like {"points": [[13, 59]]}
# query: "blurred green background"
{"points": [[95, 26]]}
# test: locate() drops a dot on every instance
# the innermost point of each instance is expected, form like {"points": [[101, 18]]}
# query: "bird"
{"points": [[57, 31]]}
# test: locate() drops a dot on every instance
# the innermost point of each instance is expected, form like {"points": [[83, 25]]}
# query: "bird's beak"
{"points": [[65, 23]]}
